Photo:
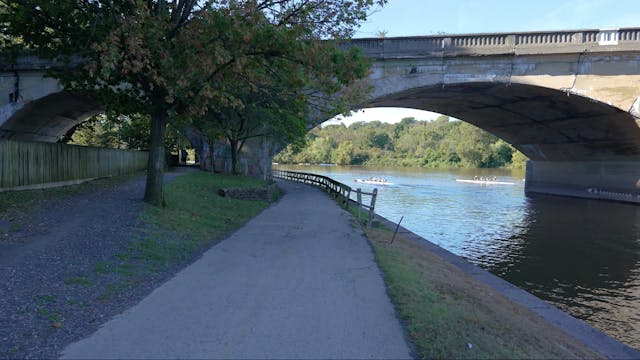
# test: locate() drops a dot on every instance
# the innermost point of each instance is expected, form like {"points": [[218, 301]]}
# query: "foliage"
{"points": [[177, 61], [118, 132], [439, 143]]}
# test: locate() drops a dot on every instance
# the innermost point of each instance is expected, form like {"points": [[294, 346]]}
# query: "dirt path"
{"points": [[47, 300], [297, 281]]}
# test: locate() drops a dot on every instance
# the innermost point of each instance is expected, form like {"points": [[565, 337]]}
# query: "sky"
{"points": [[429, 17]]}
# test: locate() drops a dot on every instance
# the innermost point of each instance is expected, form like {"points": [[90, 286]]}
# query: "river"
{"points": [[583, 256]]}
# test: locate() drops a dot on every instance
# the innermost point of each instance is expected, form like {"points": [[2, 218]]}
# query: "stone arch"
{"points": [[48, 118], [545, 124]]}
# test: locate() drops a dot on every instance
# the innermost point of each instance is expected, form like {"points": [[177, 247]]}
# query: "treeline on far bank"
{"points": [[438, 143]]}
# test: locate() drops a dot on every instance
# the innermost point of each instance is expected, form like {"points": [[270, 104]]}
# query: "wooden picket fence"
{"points": [[342, 192], [28, 165]]}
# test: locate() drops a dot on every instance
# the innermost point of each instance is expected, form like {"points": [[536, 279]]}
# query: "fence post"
{"points": [[372, 207], [347, 199], [359, 201]]}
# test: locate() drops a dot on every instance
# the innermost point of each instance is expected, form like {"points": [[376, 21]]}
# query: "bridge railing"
{"points": [[543, 42], [341, 192]]}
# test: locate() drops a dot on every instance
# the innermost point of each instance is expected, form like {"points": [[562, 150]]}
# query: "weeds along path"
{"points": [[297, 281], [49, 291]]}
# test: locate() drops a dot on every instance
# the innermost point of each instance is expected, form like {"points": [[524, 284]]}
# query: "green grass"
{"points": [[195, 209], [46, 308], [448, 315], [45, 299], [103, 267], [50, 315], [441, 325], [117, 287], [195, 217], [79, 280]]}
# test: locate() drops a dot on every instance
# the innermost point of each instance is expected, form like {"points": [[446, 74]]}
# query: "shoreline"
{"points": [[591, 337]]}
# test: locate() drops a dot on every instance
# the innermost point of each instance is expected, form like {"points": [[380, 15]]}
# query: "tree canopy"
{"points": [[182, 60], [438, 143]]}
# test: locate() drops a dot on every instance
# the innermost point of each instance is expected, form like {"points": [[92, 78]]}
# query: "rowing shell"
{"points": [[485, 182], [373, 182]]}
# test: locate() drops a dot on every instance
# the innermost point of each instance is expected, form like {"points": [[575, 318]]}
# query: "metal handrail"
{"points": [[338, 190]]}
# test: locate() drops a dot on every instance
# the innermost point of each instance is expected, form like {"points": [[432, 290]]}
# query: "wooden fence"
{"points": [[28, 165], [341, 192]]}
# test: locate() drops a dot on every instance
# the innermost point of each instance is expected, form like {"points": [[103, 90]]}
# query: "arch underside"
{"points": [[49, 118], [545, 124]]}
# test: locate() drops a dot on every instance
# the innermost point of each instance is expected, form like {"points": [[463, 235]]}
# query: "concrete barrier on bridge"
{"points": [[602, 180]]}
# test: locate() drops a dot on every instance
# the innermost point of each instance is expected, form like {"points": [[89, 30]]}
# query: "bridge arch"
{"points": [[543, 123], [570, 100], [48, 118]]}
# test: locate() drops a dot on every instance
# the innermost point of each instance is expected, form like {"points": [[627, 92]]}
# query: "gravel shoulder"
{"points": [[50, 296]]}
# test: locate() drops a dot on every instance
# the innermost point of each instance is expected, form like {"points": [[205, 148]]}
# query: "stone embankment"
{"points": [[265, 193]]}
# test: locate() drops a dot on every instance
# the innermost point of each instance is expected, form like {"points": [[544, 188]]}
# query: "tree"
{"points": [[276, 98], [115, 131], [343, 154], [173, 59], [439, 143], [518, 160], [382, 34], [379, 140]]}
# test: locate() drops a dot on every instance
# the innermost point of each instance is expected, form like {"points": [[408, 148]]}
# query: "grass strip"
{"points": [[447, 314], [195, 209], [195, 218]]}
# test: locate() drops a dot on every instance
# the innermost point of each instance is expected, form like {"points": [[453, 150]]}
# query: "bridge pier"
{"points": [[602, 180]]}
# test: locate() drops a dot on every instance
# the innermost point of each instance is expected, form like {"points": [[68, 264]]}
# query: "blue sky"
{"points": [[428, 17]]}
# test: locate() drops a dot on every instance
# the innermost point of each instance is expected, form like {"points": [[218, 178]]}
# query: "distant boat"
{"points": [[374, 181], [485, 182]]}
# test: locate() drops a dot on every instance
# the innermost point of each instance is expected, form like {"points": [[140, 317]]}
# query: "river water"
{"points": [[583, 256]]}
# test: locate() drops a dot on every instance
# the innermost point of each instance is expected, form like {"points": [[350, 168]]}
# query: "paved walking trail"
{"points": [[297, 281]]}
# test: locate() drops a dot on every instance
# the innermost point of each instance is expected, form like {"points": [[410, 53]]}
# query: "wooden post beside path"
{"points": [[359, 199], [372, 206]]}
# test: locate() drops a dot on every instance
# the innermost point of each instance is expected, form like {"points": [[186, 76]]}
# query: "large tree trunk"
{"points": [[153, 192], [234, 157], [203, 149], [207, 157]]}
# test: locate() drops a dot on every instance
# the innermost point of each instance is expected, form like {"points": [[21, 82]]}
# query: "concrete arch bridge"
{"points": [[569, 100]]}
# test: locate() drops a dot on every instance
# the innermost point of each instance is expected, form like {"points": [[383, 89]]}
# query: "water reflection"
{"points": [[581, 255]]}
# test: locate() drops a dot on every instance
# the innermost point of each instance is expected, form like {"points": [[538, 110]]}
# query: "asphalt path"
{"points": [[297, 281]]}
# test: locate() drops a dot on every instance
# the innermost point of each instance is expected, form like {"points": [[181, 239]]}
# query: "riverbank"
{"points": [[72, 258], [453, 309], [579, 255]]}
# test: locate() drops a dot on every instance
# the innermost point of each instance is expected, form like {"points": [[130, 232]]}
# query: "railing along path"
{"points": [[339, 191]]}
